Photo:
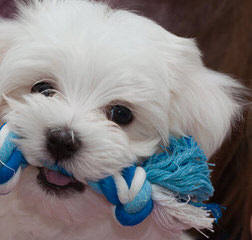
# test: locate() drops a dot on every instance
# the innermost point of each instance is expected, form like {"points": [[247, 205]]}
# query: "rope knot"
{"points": [[130, 192], [11, 160]]}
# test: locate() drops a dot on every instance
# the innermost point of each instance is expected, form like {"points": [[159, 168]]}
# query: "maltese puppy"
{"points": [[96, 89]]}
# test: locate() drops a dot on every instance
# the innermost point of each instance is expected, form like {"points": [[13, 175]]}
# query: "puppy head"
{"points": [[112, 83]]}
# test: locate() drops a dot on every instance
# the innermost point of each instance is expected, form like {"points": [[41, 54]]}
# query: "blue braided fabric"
{"points": [[130, 213], [11, 158]]}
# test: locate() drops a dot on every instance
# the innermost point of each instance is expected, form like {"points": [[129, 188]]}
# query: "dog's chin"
{"points": [[57, 184], [64, 199]]}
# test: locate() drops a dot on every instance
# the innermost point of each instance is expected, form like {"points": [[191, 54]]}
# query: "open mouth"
{"points": [[56, 183]]}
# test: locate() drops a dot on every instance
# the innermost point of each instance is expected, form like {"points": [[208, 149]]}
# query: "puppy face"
{"points": [[95, 90]]}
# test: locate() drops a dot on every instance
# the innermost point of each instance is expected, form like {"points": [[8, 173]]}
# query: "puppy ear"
{"points": [[8, 33], [204, 103]]}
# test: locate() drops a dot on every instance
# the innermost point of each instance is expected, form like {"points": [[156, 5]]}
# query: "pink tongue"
{"points": [[56, 177]]}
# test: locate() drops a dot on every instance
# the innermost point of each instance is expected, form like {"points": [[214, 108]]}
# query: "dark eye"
{"points": [[121, 115], [43, 88]]}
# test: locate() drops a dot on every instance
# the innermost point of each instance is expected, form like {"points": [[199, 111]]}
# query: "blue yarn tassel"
{"points": [[182, 168]]}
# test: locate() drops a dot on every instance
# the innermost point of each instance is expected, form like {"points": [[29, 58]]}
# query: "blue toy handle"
{"points": [[182, 169]]}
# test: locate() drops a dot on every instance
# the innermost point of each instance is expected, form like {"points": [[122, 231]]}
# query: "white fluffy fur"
{"points": [[97, 57]]}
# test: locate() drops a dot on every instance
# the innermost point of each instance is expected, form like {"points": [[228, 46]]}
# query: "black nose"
{"points": [[62, 143]]}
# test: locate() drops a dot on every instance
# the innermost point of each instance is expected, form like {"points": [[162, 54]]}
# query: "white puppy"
{"points": [[96, 89]]}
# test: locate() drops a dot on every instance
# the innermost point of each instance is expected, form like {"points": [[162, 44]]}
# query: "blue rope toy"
{"points": [[181, 170]]}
